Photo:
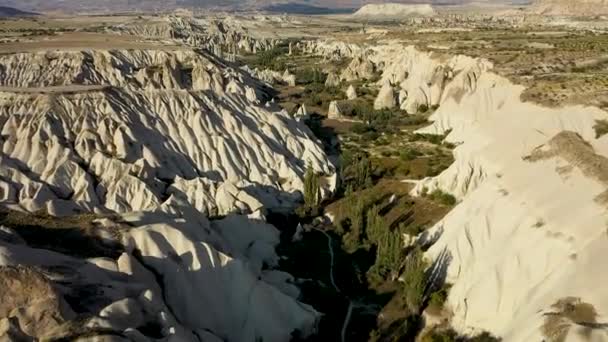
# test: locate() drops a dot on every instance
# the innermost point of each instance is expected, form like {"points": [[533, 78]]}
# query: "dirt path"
{"points": [[333, 283]]}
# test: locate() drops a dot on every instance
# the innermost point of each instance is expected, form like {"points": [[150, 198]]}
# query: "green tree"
{"points": [[374, 227], [311, 187], [352, 239], [414, 279]]}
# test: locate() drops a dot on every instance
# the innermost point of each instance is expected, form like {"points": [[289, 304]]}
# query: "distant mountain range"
{"points": [[287, 6], [13, 12]]}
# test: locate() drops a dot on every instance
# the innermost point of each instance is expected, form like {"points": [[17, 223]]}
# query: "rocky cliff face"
{"points": [[529, 231], [153, 143], [221, 37]]}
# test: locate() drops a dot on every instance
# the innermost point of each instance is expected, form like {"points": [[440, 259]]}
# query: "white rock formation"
{"points": [[530, 226], [334, 112], [159, 140], [332, 80], [389, 11], [386, 97], [289, 78], [302, 111], [351, 93], [359, 68]]}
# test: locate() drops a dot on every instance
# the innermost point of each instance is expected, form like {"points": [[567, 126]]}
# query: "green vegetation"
{"points": [[438, 298], [270, 59], [601, 128], [449, 335], [310, 76], [414, 280], [442, 197], [356, 170], [410, 154], [372, 209], [311, 187]]}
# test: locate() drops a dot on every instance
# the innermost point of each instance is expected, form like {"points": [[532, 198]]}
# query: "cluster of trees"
{"points": [[270, 59], [309, 75], [356, 171]]}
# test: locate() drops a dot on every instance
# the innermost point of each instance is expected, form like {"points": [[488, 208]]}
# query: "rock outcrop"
{"points": [[150, 144], [334, 111], [289, 78], [351, 93], [532, 196], [386, 97], [359, 68], [332, 80], [511, 220]]}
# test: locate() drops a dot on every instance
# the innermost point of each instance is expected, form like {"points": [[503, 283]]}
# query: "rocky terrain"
{"points": [[518, 168], [149, 144]]}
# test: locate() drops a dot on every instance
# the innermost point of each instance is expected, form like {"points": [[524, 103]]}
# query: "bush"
{"points": [[432, 138], [360, 128], [442, 197], [370, 136], [423, 108], [438, 298], [410, 154]]}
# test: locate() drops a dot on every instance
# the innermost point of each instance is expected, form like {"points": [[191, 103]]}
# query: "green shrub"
{"points": [[438, 298], [442, 197], [370, 136], [440, 336], [360, 128], [410, 154]]}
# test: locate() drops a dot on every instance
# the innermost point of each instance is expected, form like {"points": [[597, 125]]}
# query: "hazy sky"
{"points": [[143, 4]]}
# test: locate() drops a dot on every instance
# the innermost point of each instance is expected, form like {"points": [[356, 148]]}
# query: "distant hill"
{"points": [[392, 11], [13, 12], [570, 7], [297, 8]]}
